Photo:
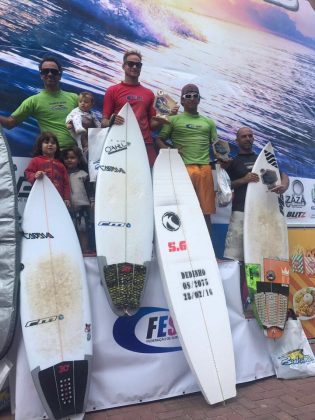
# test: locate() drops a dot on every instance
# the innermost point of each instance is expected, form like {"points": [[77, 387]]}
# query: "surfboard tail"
{"points": [[124, 284]]}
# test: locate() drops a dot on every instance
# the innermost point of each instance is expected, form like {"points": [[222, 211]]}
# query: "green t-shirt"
{"points": [[192, 134], [50, 110]]}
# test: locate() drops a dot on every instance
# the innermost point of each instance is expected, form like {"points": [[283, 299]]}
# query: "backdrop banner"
{"points": [[139, 358]]}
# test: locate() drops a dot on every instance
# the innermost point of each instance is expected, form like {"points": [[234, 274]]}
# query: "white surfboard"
{"points": [[191, 279], [266, 250], [124, 215], [55, 307]]}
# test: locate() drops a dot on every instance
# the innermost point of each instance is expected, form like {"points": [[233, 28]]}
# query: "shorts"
{"points": [[81, 218], [201, 178], [234, 248]]}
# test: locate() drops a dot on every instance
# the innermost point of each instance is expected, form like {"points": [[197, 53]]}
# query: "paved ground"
{"points": [[266, 399]]}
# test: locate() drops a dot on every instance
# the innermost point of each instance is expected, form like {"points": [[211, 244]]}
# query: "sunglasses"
{"points": [[191, 95], [54, 72], [131, 64]]}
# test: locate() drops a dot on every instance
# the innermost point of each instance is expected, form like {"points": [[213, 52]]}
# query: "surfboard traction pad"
{"points": [[124, 284], [62, 388], [269, 297]]}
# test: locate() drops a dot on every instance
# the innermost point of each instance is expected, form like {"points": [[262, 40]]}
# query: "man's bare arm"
{"points": [[160, 143], [8, 122]]}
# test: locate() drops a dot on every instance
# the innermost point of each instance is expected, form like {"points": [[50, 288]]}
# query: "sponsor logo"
{"points": [[114, 148], [270, 275], [37, 235], [285, 271], [193, 126], [296, 199], [269, 178], [46, 320], [281, 204], [114, 224], [171, 221], [150, 330], [296, 214], [87, 330], [295, 357], [110, 169], [64, 368], [134, 98], [270, 158], [58, 106]]}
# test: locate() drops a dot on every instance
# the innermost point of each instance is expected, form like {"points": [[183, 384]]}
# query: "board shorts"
{"points": [[234, 248], [202, 180]]}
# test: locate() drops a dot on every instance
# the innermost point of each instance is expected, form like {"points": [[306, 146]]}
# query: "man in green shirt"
{"points": [[192, 135], [50, 107]]}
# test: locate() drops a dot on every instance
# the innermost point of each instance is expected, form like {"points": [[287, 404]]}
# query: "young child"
{"points": [[46, 161], [82, 199], [82, 118]]}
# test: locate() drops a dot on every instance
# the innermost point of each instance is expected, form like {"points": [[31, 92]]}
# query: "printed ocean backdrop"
{"points": [[253, 61]]}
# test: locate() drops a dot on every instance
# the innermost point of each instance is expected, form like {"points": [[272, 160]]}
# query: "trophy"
{"points": [[163, 104], [221, 150]]}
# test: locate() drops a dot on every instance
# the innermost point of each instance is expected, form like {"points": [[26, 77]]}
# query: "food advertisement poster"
{"points": [[302, 276]]}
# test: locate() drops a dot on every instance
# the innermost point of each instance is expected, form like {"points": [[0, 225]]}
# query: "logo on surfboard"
{"points": [[110, 169], [114, 224], [171, 221], [38, 235], [46, 320], [114, 148]]}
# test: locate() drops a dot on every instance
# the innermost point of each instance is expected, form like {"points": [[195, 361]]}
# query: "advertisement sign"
{"points": [[299, 201], [302, 276]]}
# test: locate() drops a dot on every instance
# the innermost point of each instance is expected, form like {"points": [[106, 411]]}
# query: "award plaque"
{"points": [[221, 149], [163, 104]]}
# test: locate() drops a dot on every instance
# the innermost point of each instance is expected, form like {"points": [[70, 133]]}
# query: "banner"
{"points": [[139, 358], [302, 276], [299, 201]]}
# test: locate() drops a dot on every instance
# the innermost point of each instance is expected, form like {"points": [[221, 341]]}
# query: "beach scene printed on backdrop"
{"points": [[252, 60]]}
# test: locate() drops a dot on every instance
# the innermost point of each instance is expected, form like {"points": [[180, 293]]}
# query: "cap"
{"points": [[189, 88]]}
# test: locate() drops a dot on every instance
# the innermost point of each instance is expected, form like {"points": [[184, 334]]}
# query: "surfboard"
{"points": [[191, 279], [266, 249], [9, 248], [55, 307], [124, 215]]}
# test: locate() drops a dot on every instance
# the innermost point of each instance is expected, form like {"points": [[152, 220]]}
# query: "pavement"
{"points": [[265, 399]]}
